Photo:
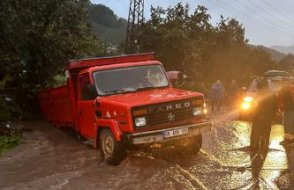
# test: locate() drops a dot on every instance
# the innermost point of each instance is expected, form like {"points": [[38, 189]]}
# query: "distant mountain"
{"points": [[106, 24], [284, 49], [276, 55]]}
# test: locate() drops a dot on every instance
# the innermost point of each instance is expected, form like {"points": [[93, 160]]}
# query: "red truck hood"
{"points": [[151, 96]]}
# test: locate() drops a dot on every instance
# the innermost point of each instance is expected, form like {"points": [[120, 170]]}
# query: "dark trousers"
{"points": [[260, 133]]}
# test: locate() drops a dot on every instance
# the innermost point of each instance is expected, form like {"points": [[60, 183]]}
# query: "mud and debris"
{"points": [[50, 158]]}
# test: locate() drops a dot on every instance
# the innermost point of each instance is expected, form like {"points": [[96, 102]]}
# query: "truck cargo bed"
{"points": [[56, 106]]}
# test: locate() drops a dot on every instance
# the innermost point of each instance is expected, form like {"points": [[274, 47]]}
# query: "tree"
{"points": [[190, 43], [176, 36], [38, 37]]}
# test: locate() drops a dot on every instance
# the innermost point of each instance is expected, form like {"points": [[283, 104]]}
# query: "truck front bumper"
{"points": [[149, 137]]}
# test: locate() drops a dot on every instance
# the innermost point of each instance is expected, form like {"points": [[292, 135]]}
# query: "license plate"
{"points": [[175, 132]]}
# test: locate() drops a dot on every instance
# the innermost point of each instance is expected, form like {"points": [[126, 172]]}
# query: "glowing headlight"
{"points": [[140, 121], [197, 111], [248, 99], [246, 105]]}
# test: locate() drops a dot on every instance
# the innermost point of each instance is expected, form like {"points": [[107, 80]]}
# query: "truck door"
{"points": [[86, 107]]}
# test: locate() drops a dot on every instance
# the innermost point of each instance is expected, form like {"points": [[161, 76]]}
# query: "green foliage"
{"points": [[4, 81], [7, 142], [37, 38], [8, 110], [190, 43], [5, 112]]}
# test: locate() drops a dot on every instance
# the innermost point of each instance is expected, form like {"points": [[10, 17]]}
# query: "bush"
{"points": [[9, 109], [7, 142], [10, 136], [5, 113]]}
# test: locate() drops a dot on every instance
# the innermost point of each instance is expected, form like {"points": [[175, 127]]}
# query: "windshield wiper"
{"points": [[146, 88], [118, 91]]}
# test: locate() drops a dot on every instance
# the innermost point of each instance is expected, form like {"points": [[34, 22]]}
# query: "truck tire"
{"points": [[189, 146], [112, 151]]}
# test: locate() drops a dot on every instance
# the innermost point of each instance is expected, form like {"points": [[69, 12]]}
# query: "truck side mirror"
{"points": [[91, 92]]}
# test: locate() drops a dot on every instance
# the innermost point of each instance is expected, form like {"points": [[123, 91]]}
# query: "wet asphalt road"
{"points": [[50, 158]]}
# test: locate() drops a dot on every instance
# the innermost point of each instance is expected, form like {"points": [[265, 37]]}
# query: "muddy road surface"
{"points": [[50, 158]]}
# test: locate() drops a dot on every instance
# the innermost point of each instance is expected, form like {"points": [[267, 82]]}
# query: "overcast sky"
{"points": [[267, 22]]}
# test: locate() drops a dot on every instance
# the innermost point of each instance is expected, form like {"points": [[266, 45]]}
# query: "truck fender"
{"points": [[112, 125]]}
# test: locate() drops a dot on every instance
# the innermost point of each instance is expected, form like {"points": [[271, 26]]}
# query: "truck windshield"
{"points": [[130, 79]]}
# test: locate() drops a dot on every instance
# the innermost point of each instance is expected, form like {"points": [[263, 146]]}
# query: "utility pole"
{"points": [[135, 20]]}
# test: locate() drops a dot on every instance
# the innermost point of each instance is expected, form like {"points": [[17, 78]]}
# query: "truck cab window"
{"points": [[130, 79], [87, 90]]}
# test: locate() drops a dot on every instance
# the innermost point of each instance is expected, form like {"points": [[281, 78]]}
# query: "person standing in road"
{"points": [[216, 95], [266, 109], [233, 92], [287, 99]]}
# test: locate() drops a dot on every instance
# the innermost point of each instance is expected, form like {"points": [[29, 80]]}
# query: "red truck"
{"points": [[116, 102]]}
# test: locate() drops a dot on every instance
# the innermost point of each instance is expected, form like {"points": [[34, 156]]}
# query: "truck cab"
{"points": [[128, 100]]}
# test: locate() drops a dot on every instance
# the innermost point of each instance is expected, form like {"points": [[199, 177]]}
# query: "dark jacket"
{"points": [[287, 97], [267, 106]]}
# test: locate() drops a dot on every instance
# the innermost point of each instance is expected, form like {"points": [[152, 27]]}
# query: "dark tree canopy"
{"points": [[189, 42], [37, 38]]}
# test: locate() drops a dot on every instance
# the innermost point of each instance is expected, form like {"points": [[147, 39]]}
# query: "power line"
{"points": [[264, 20], [268, 20], [230, 9], [277, 11], [258, 19]]}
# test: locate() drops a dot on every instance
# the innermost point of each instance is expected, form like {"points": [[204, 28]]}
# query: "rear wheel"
{"points": [[189, 146], [111, 150]]}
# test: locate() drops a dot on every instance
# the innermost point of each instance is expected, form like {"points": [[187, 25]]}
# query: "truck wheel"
{"points": [[189, 146], [112, 151]]}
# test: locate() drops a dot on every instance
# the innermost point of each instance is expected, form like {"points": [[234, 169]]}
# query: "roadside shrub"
{"points": [[7, 142], [9, 109], [10, 136], [5, 113]]}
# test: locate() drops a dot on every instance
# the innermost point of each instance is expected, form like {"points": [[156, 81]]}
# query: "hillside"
{"points": [[284, 49], [106, 24], [275, 55]]}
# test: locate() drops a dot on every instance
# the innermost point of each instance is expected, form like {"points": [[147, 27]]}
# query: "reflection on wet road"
{"points": [[51, 159]]}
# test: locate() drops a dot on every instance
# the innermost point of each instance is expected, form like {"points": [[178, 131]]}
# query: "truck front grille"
{"points": [[169, 117], [169, 112]]}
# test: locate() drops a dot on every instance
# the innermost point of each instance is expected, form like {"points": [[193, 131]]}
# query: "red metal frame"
{"points": [[86, 63]]}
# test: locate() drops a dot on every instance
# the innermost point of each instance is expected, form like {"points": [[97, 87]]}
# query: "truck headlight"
{"points": [[196, 111], [140, 121], [246, 105]]}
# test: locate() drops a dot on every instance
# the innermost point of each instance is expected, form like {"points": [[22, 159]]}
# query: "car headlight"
{"points": [[196, 111], [246, 105], [248, 99], [140, 121]]}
